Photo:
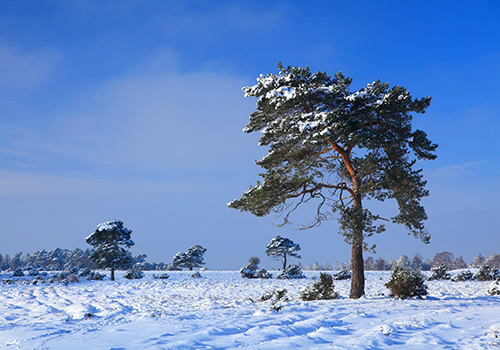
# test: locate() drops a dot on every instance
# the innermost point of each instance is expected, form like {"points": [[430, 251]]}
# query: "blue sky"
{"points": [[133, 110]]}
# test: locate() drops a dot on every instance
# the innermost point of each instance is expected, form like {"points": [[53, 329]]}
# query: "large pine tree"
{"points": [[338, 148]]}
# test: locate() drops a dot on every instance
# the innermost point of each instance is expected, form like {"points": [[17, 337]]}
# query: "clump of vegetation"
{"points": [[276, 296], [163, 276], [196, 275], [439, 273], [323, 289], [495, 288], [487, 273], [95, 276], [252, 270], [465, 275], [280, 248], [342, 275], [133, 274], [18, 273], [193, 257], [291, 272], [406, 283]]}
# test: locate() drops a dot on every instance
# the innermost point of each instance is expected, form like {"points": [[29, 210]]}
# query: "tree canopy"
{"points": [[280, 247], [337, 147], [109, 240], [193, 257]]}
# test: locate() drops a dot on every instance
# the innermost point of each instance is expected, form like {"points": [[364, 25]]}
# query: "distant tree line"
{"points": [[416, 262], [65, 259], [109, 242]]}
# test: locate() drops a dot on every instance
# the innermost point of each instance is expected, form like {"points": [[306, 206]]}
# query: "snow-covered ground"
{"points": [[221, 310]]}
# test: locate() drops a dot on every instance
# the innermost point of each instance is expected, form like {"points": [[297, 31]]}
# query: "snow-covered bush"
{"points": [[163, 276], [95, 276], [439, 273], [133, 274], [18, 273], [487, 273], [33, 272], [253, 271], [84, 272], [406, 283], [196, 275], [465, 275], [323, 289], [277, 297], [291, 272], [342, 275], [495, 288]]}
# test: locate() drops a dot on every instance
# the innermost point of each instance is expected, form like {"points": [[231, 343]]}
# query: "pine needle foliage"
{"points": [[110, 240], [322, 289], [406, 283]]}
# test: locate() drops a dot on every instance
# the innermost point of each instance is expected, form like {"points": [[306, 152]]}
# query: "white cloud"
{"points": [[21, 68]]}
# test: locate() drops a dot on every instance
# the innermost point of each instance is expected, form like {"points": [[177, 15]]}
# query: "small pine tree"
{"points": [[406, 283], [439, 273], [487, 273], [193, 257], [108, 240], [323, 289], [279, 248], [464, 275], [495, 288]]}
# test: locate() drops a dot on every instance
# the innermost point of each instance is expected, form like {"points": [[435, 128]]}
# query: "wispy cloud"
{"points": [[20, 68], [154, 119]]}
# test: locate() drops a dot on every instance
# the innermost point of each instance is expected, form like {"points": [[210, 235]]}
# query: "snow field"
{"points": [[222, 311]]}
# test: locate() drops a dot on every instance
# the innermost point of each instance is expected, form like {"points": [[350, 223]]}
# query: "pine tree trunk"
{"points": [[112, 273], [284, 262], [357, 263], [358, 272]]}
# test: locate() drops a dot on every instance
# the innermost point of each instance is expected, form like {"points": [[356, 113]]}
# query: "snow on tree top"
{"points": [[109, 225]]}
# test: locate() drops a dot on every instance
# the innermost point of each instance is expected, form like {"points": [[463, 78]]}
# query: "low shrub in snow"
{"points": [[84, 272], [253, 271], [33, 272], [464, 275], [276, 296], [163, 276], [487, 273], [495, 288], [291, 272], [196, 275], [406, 283], [323, 289], [342, 275], [133, 274], [439, 273], [18, 273], [95, 276]]}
